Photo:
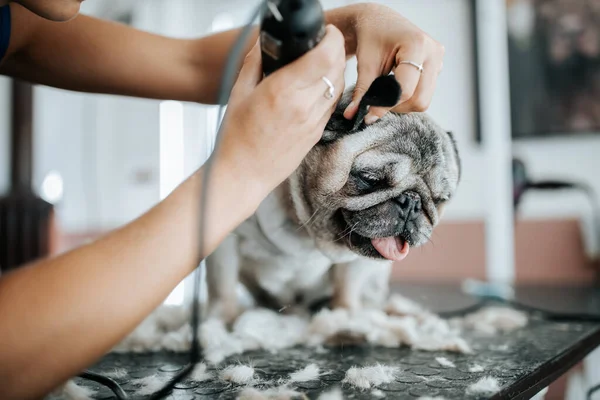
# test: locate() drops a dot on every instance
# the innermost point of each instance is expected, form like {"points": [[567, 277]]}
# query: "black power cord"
{"points": [[109, 383], [592, 390], [227, 82], [486, 300]]}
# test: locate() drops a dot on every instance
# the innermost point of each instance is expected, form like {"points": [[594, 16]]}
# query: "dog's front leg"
{"points": [[359, 283], [222, 277]]}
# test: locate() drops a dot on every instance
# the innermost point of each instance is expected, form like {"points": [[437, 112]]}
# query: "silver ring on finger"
{"points": [[414, 64], [330, 92]]}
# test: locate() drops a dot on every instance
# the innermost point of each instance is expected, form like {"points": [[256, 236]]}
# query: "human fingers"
{"points": [[328, 91], [407, 71], [305, 71], [250, 74], [368, 70], [421, 98]]}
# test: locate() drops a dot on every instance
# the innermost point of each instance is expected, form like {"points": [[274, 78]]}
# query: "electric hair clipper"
{"points": [[289, 29]]}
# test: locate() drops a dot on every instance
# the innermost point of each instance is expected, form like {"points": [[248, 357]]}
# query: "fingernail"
{"points": [[350, 108], [371, 119]]}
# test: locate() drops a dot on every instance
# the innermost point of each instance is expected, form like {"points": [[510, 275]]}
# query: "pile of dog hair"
{"points": [[402, 322]]}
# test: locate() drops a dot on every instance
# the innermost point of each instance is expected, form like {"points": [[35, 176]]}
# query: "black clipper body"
{"points": [[289, 29]]}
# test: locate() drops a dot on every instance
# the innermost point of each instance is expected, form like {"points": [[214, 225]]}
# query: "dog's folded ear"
{"points": [[385, 91]]}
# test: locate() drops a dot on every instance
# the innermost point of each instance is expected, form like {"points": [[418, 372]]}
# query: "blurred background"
{"points": [[520, 90]]}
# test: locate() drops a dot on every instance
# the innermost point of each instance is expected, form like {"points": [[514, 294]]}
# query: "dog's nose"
{"points": [[409, 204]]}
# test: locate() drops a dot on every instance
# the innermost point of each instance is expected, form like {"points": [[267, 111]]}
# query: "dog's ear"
{"points": [[456, 153], [385, 91]]}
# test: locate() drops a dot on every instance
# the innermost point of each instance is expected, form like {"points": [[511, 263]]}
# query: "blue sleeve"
{"points": [[4, 30]]}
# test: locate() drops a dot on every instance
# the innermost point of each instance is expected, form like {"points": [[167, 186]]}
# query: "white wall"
{"points": [[574, 158], [133, 124]]}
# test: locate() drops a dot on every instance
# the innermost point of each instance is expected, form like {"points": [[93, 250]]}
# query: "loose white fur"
{"points": [[149, 384], [253, 330], [72, 391], [309, 373], [116, 373], [476, 368], [494, 320], [402, 322], [445, 362], [200, 374], [371, 376], [240, 374], [424, 331], [377, 394], [486, 385], [279, 393], [334, 394]]}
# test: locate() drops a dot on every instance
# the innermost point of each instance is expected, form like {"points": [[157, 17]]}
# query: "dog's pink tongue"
{"points": [[392, 248]]}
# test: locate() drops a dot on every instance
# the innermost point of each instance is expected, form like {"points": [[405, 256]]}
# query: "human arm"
{"points": [[61, 314], [91, 55], [88, 54], [58, 316]]}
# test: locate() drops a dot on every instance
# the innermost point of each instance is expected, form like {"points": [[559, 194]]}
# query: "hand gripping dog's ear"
{"points": [[385, 91]]}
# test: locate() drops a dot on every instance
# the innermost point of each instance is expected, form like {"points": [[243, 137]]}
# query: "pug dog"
{"points": [[360, 200]]}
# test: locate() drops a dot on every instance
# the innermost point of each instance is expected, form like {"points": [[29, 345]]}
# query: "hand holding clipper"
{"points": [[289, 29]]}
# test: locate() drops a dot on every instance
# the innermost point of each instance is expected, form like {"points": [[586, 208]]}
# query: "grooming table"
{"points": [[524, 362]]}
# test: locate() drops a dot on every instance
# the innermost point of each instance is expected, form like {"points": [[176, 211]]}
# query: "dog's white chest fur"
{"points": [[279, 254]]}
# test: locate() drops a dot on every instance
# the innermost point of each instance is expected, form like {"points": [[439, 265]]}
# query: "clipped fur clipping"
{"points": [[116, 373], [309, 373], [444, 362], [476, 368], [333, 394], [402, 322], [279, 393], [369, 377], [431, 398], [486, 385], [240, 374], [494, 320], [200, 374], [72, 391], [149, 384]]}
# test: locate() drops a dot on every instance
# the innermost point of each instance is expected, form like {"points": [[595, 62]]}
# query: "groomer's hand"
{"points": [[271, 124], [384, 39]]}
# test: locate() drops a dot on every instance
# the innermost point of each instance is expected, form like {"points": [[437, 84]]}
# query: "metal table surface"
{"points": [[524, 361]]}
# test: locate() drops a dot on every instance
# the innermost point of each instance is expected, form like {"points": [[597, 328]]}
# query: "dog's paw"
{"points": [[346, 303], [225, 311]]}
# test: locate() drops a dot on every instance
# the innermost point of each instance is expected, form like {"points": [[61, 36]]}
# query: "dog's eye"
{"points": [[366, 181], [440, 200]]}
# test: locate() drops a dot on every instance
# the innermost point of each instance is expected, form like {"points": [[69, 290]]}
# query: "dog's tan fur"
{"points": [[292, 252]]}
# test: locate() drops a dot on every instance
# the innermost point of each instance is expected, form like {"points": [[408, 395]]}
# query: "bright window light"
{"points": [[222, 22], [171, 146], [176, 296], [171, 161], [52, 187]]}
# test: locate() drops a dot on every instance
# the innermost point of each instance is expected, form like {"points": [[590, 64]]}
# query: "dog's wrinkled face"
{"points": [[376, 190]]}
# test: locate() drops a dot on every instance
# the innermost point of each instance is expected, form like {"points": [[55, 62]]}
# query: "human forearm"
{"points": [[81, 304], [91, 55]]}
